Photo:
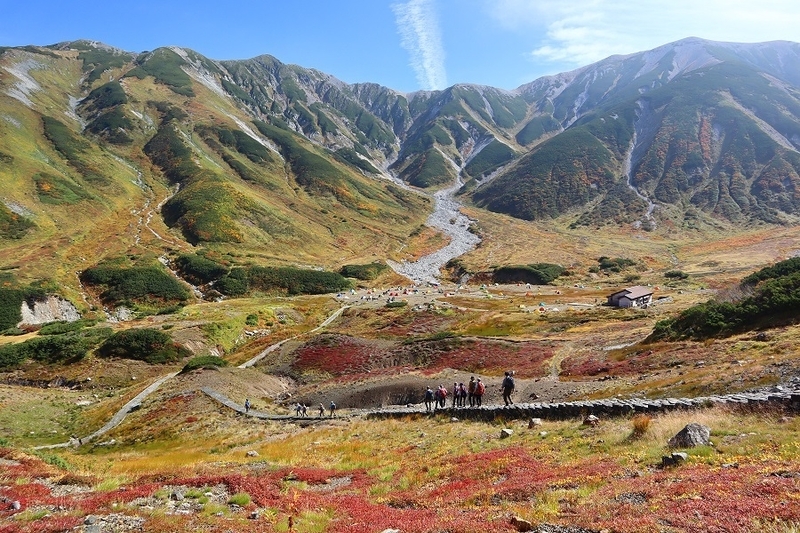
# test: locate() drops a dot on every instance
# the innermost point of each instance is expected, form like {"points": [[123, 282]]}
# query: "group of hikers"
{"points": [[300, 409], [471, 393]]}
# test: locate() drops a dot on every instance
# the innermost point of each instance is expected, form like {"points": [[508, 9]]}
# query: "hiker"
{"points": [[462, 395], [471, 391], [480, 390], [428, 398], [455, 394], [442, 396], [303, 410], [297, 409], [507, 387], [247, 405], [321, 410], [332, 409]]}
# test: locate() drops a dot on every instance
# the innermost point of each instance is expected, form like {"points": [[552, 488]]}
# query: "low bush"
{"points": [[204, 361], [145, 344], [774, 300], [287, 280], [199, 270], [364, 272], [61, 327], [676, 274], [135, 284], [537, 273]]}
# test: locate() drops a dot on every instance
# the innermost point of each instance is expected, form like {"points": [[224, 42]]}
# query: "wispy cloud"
{"points": [[583, 31], [419, 36]]}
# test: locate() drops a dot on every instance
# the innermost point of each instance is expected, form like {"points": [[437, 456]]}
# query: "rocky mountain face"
{"points": [[257, 153]]}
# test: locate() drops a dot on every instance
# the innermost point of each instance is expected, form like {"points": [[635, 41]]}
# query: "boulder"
{"points": [[520, 524], [692, 435], [252, 453], [591, 420], [505, 433], [534, 422]]}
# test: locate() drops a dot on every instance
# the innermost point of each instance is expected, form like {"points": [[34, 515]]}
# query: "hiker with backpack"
{"points": [[507, 387], [471, 391], [462, 395], [428, 398], [480, 390], [442, 396], [332, 409]]}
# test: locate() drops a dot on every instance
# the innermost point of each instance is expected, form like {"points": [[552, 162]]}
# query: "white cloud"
{"points": [[583, 31], [419, 35]]}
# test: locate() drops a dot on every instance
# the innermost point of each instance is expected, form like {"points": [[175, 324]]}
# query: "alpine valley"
{"points": [[179, 233]]}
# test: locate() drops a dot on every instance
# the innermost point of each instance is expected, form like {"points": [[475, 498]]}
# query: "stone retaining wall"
{"points": [[789, 399]]}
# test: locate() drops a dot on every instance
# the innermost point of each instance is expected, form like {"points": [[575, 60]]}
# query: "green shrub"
{"points": [[61, 327], [538, 273], [288, 280], [676, 274], [136, 283], [366, 272], [11, 356], [242, 499], [198, 269], [397, 303], [614, 265], [146, 344], [204, 361], [251, 319], [49, 349], [774, 301]]}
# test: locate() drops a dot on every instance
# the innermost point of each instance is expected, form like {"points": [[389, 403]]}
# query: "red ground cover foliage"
{"points": [[340, 355], [527, 359], [467, 495]]}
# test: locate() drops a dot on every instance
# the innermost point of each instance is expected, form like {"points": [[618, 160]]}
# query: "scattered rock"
{"points": [[15, 505], [692, 435], [90, 520], [534, 422], [390, 531], [505, 433], [176, 495], [674, 459], [454, 419], [542, 433], [252, 453], [253, 515], [520, 524], [591, 420]]}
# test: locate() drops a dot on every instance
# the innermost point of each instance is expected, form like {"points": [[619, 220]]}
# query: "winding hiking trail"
{"points": [[118, 417], [136, 402]]}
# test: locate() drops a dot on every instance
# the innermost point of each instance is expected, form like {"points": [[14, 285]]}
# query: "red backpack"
{"points": [[480, 389]]}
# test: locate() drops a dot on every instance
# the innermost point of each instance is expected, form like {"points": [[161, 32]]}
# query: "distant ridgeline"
{"points": [[767, 298]]}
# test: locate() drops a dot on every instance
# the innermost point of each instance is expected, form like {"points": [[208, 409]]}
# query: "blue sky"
{"points": [[407, 45]]}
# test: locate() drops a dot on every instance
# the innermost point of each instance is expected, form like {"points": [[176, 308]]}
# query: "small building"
{"points": [[637, 296]]}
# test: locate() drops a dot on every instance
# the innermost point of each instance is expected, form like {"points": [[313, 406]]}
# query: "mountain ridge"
{"points": [[686, 135]]}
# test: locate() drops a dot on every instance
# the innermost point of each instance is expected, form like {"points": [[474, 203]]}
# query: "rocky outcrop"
{"points": [[51, 309], [692, 435]]}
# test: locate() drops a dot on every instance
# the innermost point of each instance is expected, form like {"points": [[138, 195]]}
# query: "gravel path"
{"points": [[448, 218]]}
